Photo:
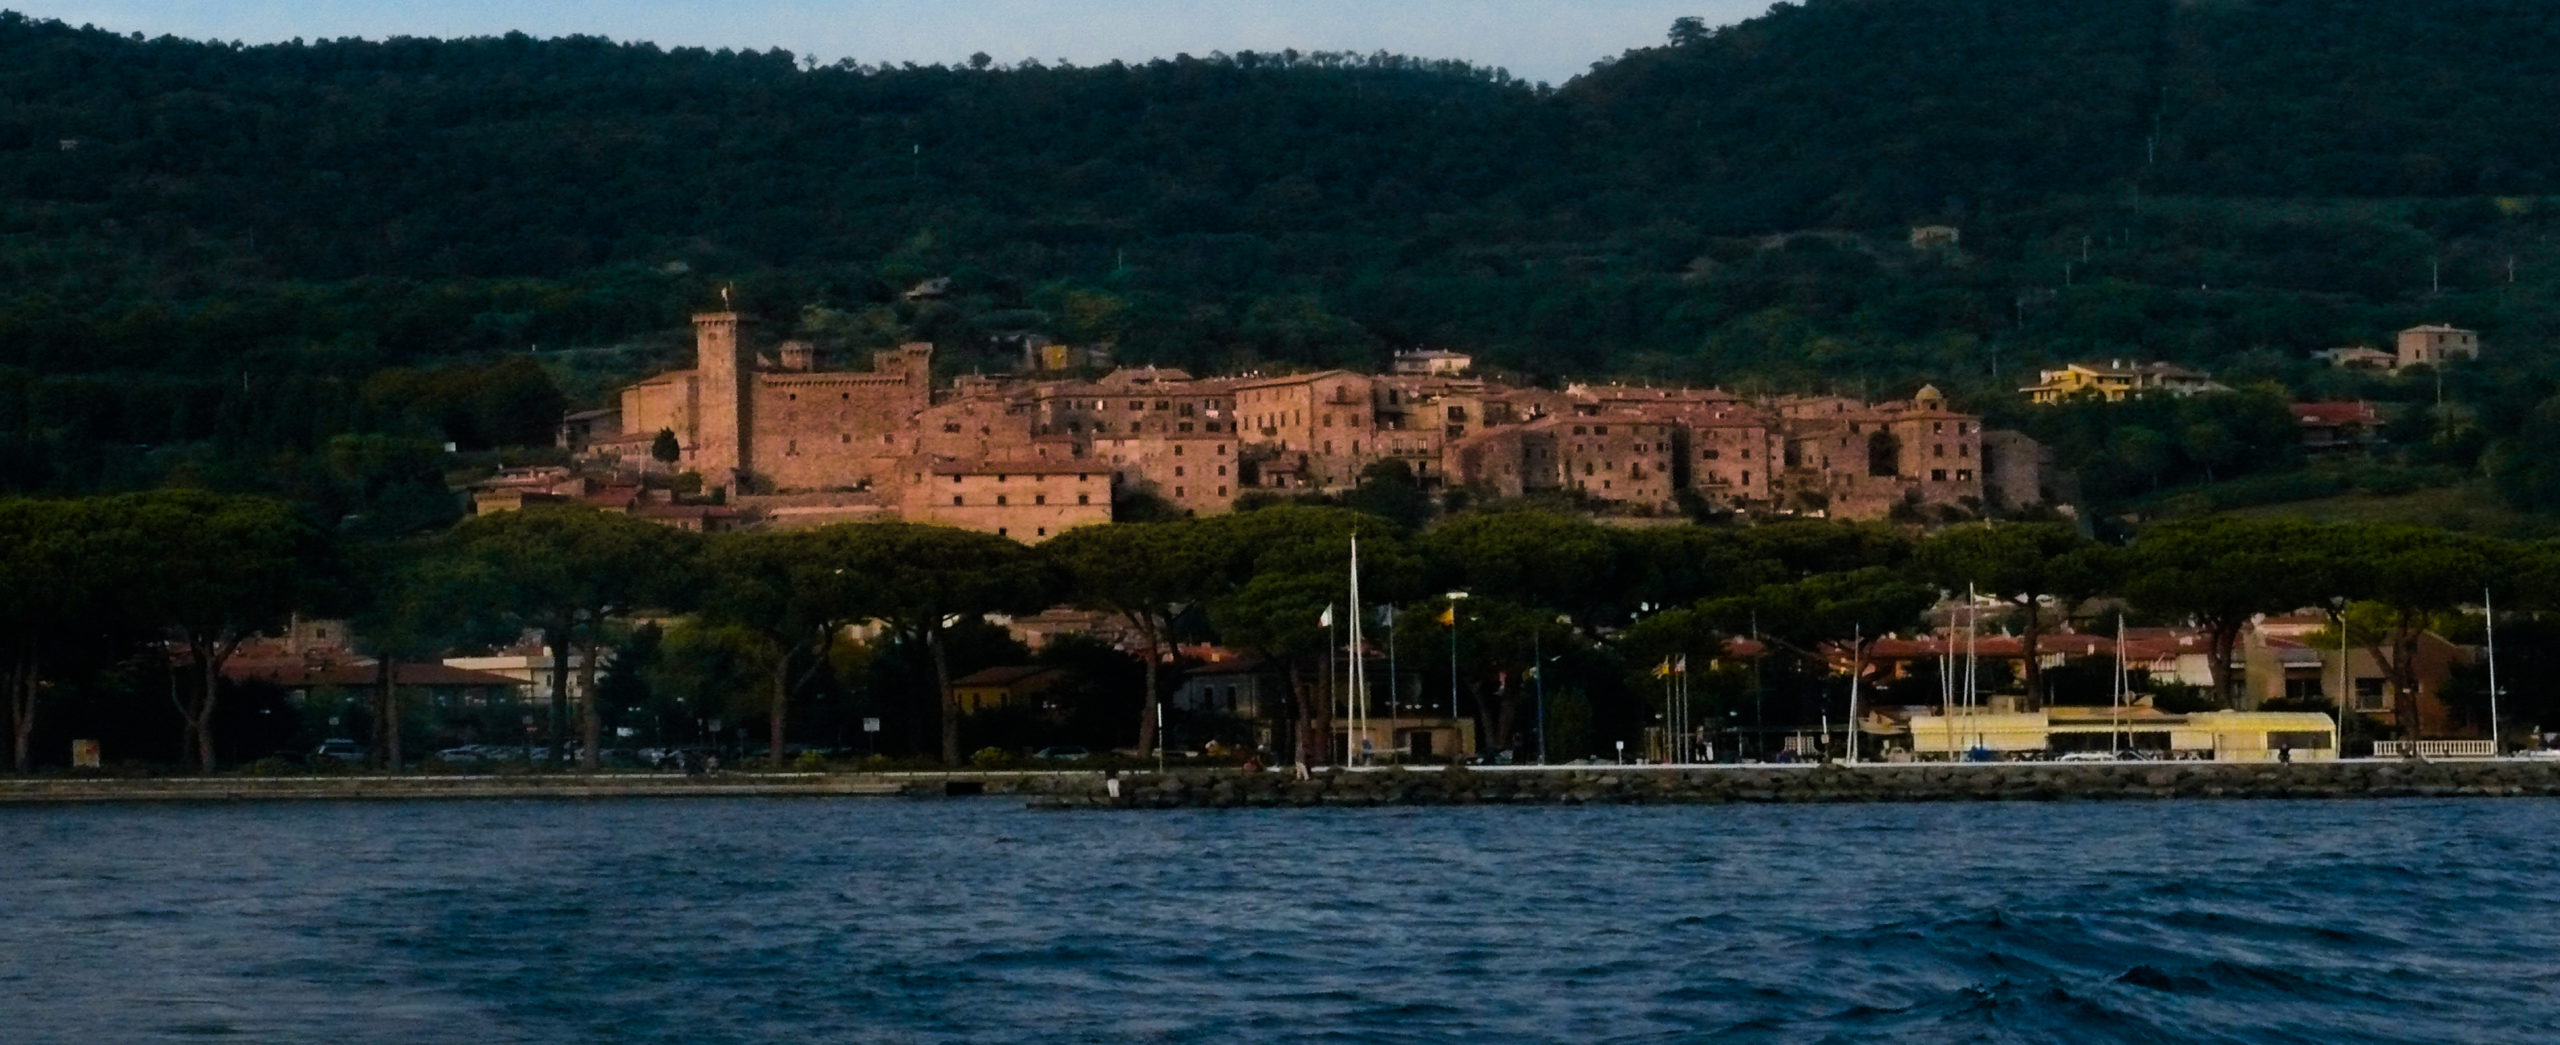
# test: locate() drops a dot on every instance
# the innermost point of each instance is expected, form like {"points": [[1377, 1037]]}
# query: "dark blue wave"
{"points": [[963, 921]]}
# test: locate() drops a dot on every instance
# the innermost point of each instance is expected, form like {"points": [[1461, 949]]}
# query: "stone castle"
{"points": [[1029, 457]]}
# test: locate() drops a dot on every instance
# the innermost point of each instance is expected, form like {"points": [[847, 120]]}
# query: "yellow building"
{"points": [[2223, 736], [2115, 381]]}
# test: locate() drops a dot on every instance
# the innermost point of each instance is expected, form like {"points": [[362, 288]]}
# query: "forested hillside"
{"points": [[219, 258]]}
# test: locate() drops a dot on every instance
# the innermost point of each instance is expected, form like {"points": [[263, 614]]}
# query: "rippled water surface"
{"points": [[862, 920]]}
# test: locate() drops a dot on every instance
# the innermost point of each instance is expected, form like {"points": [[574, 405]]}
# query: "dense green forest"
{"points": [[211, 254]]}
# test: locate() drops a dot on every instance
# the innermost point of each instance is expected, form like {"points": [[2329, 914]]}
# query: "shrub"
{"points": [[810, 762]]}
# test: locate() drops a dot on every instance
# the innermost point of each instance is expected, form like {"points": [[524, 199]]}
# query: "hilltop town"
{"points": [[1033, 454]]}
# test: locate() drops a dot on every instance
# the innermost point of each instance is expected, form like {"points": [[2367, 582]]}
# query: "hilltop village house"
{"points": [[1029, 458]]}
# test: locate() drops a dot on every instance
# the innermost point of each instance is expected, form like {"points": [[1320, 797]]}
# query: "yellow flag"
{"points": [[1664, 671], [1449, 617]]}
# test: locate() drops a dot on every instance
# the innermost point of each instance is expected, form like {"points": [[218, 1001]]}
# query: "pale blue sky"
{"points": [[1548, 40]]}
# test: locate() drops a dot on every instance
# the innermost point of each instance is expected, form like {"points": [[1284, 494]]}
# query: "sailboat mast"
{"points": [[2489, 612], [2115, 721], [1357, 705]]}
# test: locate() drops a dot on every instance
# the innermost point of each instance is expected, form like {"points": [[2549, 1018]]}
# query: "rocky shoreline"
{"points": [[1229, 789], [1632, 785]]}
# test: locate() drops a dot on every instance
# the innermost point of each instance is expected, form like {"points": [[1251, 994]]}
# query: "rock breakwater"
{"points": [[1637, 785]]}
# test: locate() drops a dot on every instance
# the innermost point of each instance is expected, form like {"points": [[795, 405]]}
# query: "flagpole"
{"points": [[1352, 703]]}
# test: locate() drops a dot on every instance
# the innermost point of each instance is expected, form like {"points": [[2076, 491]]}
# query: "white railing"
{"points": [[2435, 748]]}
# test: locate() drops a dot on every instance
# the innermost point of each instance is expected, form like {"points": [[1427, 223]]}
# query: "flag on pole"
{"points": [[1386, 616], [1326, 620], [1449, 617], [1681, 668], [1663, 670]]}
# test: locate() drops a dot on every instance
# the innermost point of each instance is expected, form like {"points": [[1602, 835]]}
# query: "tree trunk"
{"points": [[1320, 726], [950, 703], [2028, 641], [21, 682], [2397, 654], [386, 713], [1506, 715], [1147, 707], [781, 707], [2225, 638], [204, 711], [590, 717], [1289, 733], [558, 714]]}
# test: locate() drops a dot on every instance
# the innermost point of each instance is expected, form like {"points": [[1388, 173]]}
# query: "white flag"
{"points": [[1327, 619]]}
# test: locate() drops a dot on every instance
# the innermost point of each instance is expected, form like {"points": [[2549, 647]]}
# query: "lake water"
{"points": [[875, 920]]}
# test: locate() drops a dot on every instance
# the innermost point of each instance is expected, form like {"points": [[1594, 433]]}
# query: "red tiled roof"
{"points": [[2332, 414]]}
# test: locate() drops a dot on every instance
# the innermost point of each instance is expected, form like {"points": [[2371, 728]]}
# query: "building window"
{"points": [[848, 437], [1000, 532], [1709, 454], [1746, 477], [1937, 475], [1177, 471], [1039, 498], [955, 500], [1177, 449], [1000, 500], [1084, 498], [1222, 449], [1964, 475], [1043, 531], [1222, 469], [1177, 493], [1222, 491], [1939, 450], [2369, 696]]}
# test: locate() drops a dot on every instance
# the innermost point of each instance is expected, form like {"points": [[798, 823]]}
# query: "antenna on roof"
{"points": [[724, 298]]}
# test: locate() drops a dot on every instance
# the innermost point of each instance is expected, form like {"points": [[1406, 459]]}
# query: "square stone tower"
{"points": [[722, 450]]}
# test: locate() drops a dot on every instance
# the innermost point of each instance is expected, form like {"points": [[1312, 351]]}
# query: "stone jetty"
{"points": [[1644, 785]]}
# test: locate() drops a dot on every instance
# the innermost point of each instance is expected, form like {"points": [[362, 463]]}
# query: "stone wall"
{"points": [[1896, 783]]}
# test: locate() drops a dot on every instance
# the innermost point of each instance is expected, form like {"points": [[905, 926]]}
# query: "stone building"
{"points": [[2436, 345], [1028, 458], [738, 421]]}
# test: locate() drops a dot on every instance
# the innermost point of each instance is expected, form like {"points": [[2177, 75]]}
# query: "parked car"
{"points": [[466, 755], [1062, 753], [2085, 756], [340, 749]]}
